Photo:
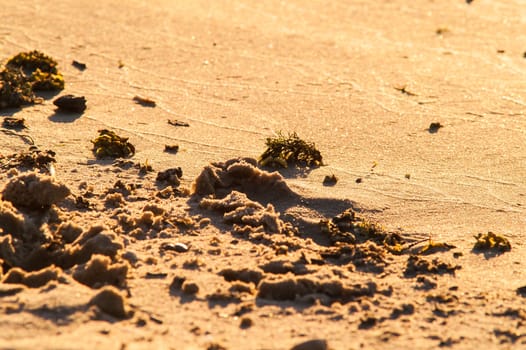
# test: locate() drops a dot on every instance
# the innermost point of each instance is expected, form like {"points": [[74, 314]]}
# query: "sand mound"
{"points": [[238, 209], [10, 219], [243, 175], [34, 279], [34, 191], [327, 291], [111, 302], [32, 248], [100, 271]]}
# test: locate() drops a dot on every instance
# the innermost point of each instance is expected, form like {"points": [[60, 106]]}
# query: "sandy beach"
{"points": [[188, 242]]}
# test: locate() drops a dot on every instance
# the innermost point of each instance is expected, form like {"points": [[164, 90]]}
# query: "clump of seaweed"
{"points": [[34, 158], [347, 227], [492, 241], [15, 90], [284, 150], [109, 144], [14, 123], [25, 73], [40, 70]]}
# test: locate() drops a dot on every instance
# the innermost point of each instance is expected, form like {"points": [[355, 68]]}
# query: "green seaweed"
{"points": [[284, 150], [110, 145]]}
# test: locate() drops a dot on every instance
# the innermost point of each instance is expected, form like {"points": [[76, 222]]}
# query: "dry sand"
{"points": [[112, 258]]}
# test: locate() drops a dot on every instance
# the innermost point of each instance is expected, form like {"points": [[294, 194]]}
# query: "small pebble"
{"points": [[177, 247], [246, 322]]}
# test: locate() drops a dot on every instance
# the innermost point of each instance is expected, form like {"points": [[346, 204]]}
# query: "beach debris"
{"points": [[145, 167], [403, 90], [79, 65], [172, 176], [330, 180], [34, 191], [176, 247], [407, 176], [144, 101], [15, 89], [313, 344], [110, 301], [71, 103], [246, 322], [358, 180], [39, 69], [521, 291], [14, 123], [109, 144], [25, 73], [285, 150], [176, 122], [417, 266], [492, 241], [433, 247], [347, 227], [433, 127], [34, 158], [171, 148]]}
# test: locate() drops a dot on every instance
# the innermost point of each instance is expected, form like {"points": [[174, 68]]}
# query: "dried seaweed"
{"points": [[14, 123], [434, 247], [347, 227], [418, 266], [15, 89], [176, 122], [109, 144], [25, 73], [40, 69], [34, 158], [492, 241], [284, 150], [144, 101]]}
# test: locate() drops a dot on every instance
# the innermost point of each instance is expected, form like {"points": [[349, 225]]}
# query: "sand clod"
{"points": [[243, 175], [238, 209], [34, 191], [100, 271], [110, 301], [34, 279]]}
